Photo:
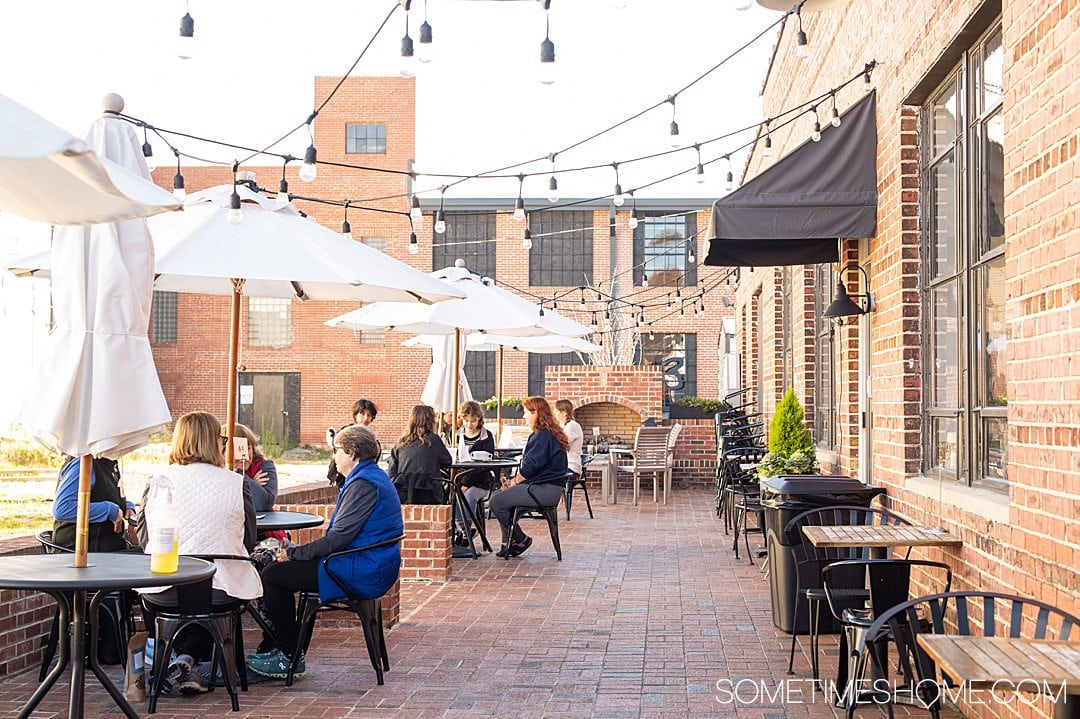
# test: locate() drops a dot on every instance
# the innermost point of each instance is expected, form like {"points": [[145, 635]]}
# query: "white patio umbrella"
{"points": [[485, 309], [438, 393], [542, 344], [49, 175], [96, 392], [273, 252]]}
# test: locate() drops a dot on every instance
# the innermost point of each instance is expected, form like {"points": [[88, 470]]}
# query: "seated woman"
{"points": [[473, 437], [108, 507], [564, 412], [542, 470], [367, 512], [417, 460], [260, 473], [216, 515]]}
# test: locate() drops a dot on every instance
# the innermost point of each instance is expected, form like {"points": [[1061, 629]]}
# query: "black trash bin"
{"points": [[784, 497]]}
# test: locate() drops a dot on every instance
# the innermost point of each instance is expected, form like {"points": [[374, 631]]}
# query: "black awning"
{"points": [[794, 212]]}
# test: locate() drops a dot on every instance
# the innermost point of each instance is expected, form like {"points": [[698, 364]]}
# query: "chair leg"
{"points": [[568, 495], [553, 527], [50, 646], [588, 504], [240, 656], [306, 611], [746, 534], [814, 609], [794, 634]]}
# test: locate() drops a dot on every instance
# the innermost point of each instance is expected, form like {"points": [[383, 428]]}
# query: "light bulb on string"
{"points": [[553, 184], [148, 152], [691, 256], [185, 44], [415, 213], [283, 186], [633, 222], [645, 279], [835, 120], [519, 204], [618, 200], [414, 246], [346, 228], [308, 171], [547, 50], [768, 151], [526, 240], [869, 67], [235, 215], [178, 180], [440, 216], [673, 129], [729, 179], [816, 134], [802, 47], [408, 59], [700, 172], [425, 53]]}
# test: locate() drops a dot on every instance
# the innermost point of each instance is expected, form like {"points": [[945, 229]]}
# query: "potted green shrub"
{"points": [[791, 447], [511, 407], [694, 408]]}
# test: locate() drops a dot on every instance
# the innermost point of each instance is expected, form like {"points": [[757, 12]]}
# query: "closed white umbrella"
{"points": [[485, 309], [96, 392], [438, 392], [49, 175]]}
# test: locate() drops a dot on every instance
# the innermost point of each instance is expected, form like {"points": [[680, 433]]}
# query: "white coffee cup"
{"points": [[480, 456]]}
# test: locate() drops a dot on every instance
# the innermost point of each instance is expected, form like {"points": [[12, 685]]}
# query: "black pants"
{"points": [[193, 640], [281, 581], [502, 504]]}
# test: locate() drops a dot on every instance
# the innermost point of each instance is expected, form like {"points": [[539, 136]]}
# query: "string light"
{"points": [[519, 204], [618, 200], [185, 44], [691, 257], [835, 121], [415, 213], [526, 241], [283, 186], [553, 184], [308, 171], [414, 246], [235, 215], [178, 181], [729, 179], [700, 172], [768, 152], [408, 61], [440, 216], [645, 280], [148, 152], [426, 54], [346, 229], [869, 67], [633, 213], [547, 49], [674, 128], [816, 134], [802, 49]]}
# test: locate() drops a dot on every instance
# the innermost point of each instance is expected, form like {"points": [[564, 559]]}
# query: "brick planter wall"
{"points": [[425, 553], [25, 617]]}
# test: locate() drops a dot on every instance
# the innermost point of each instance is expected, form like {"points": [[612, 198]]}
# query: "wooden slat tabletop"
{"points": [[981, 661], [862, 535]]}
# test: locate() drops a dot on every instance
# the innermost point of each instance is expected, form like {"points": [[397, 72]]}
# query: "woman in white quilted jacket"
{"points": [[215, 514]]}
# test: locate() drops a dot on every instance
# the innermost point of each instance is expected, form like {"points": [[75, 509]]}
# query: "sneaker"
{"points": [[191, 683], [518, 548], [459, 539], [275, 665]]}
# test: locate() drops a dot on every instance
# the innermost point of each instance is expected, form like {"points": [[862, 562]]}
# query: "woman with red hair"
{"points": [[541, 479]]}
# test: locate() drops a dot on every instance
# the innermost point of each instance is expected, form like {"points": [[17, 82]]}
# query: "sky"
{"points": [[480, 104]]}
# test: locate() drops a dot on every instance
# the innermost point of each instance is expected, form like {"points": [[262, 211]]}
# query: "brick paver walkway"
{"points": [[647, 612]]}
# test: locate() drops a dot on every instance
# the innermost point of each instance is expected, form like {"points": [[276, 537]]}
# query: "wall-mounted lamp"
{"points": [[842, 304]]}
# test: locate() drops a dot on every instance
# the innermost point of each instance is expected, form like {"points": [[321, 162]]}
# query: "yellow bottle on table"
{"points": [[164, 539]]}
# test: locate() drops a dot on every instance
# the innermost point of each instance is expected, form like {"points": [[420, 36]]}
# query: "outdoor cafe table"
{"points": [[1039, 665], [461, 506], [55, 575], [878, 536], [275, 520]]}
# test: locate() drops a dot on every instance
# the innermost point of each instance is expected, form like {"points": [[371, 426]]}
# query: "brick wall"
{"points": [[426, 551], [637, 388], [25, 617]]}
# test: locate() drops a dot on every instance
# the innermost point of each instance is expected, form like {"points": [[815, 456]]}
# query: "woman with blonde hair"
{"points": [[260, 473], [417, 460], [216, 515], [541, 477]]}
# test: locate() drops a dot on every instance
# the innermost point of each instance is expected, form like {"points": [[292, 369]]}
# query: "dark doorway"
{"points": [[270, 405]]}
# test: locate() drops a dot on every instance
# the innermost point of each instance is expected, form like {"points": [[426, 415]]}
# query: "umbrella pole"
{"points": [[457, 384], [234, 351], [498, 405], [82, 517]]}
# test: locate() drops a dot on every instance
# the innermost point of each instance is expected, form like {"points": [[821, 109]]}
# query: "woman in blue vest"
{"points": [[367, 512]]}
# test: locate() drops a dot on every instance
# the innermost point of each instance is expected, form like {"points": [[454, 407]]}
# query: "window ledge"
{"points": [[993, 506]]}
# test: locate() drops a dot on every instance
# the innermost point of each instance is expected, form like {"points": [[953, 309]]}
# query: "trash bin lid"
{"points": [[787, 484]]}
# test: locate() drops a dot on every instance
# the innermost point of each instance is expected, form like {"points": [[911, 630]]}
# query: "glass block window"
{"points": [[480, 371], [365, 139], [676, 354], [163, 318], [539, 362], [562, 252], [469, 236], [662, 249], [373, 337], [269, 322]]}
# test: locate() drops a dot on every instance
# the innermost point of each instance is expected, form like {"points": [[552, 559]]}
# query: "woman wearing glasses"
{"points": [[367, 512]]}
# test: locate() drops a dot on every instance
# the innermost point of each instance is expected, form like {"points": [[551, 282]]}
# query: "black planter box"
{"points": [[507, 413], [679, 411]]}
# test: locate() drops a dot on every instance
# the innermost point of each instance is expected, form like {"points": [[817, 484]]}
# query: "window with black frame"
{"points": [[562, 252], [365, 139], [824, 360], [662, 243], [469, 236], [962, 181], [676, 355], [539, 362], [163, 318], [480, 371]]}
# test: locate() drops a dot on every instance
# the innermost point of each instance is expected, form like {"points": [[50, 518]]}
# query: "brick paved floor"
{"points": [[647, 612]]}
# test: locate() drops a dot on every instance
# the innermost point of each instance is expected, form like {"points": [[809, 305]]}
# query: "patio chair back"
{"points": [[888, 581], [838, 515], [651, 448]]}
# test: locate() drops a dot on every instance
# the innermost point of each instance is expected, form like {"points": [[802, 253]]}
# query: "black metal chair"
{"points": [[810, 561], [960, 613], [117, 605], [748, 504], [221, 622], [537, 511], [576, 482], [367, 610], [888, 584]]}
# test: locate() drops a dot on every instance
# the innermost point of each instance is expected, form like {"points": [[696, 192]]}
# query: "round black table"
{"points": [[55, 575], [275, 520], [463, 510]]}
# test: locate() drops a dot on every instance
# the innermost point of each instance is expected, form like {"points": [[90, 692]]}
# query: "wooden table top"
{"points": [[985, 660], [891, 535]]}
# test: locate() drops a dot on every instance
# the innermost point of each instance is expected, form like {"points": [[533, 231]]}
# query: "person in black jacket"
{"points": [[473, 437], [363, 413], [541, 478], [417, 460]]}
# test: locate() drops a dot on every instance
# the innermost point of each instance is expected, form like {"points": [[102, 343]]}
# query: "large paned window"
{"points": [[562, 253], [676, 354], [662, 245], [163, 318], [825, 373], [538, 363], [964, 283], [365, 139], [469, 236], [480, 371], [269, 321]]}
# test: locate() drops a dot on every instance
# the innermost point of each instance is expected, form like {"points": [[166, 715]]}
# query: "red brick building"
{"points": [[300, 377], [961, 392]]}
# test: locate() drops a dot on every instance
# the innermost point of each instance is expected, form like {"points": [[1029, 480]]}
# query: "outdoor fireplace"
{"points": [[616, 399]]}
